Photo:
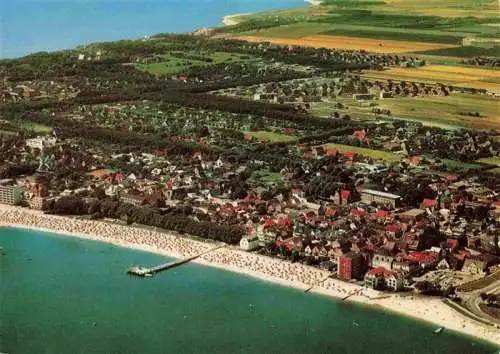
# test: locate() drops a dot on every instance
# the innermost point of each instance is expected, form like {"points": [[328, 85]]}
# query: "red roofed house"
{"points": [[349, 155], [248, 137], [345, 194], [360, 134], [381, 214], [429, 204], [393, 230], [381, 278], [452, 178], [358, 213], [308, 154], [287, 131], [414, 161], [330, 151]]}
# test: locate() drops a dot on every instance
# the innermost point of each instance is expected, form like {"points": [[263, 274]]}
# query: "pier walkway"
{"points": [[147, 272]]}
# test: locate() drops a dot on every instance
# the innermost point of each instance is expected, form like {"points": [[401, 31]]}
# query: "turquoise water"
{"points": [[65, 295], [28, 26]]}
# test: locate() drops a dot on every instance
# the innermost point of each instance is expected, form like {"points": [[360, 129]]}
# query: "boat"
{"points": [[438, 330], [355, 323]]}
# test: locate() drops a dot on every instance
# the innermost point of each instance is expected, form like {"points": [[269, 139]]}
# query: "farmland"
{"points": [[448, 112], [495, 161], [442, 22], [350, 43], [448, 75]]}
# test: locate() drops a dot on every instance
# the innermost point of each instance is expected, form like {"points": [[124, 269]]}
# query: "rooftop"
{"points": [[380, 194]]}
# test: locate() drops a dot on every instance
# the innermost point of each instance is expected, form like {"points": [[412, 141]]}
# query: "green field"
{"points": [[267, 177], [433, 21], [437, 111], [375, 154], [273, 137], [173, 64], [454, 164], [37, 128], [490, 161]]}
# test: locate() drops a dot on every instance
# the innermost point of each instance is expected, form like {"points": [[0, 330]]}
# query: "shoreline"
{"points": [[280, 272], [231, 20]]}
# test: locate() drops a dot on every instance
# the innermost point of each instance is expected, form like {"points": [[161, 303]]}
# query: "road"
{"points": [[472, 300]]}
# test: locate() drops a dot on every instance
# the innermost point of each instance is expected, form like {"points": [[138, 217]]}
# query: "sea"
{"points": [[28, 26], [61, 294]]}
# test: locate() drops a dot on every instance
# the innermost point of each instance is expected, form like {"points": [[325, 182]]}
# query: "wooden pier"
{"points": [[148, 272]]}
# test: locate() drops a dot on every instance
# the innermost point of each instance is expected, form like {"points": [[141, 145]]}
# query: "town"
{"points": [[284, 151]]}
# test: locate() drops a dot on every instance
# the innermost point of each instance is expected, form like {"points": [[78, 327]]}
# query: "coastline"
{"points": [[231, 20], [294, 275]]}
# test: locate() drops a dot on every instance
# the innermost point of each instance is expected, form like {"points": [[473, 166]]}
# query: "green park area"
{"points": [[180, 62], [374, 154]]}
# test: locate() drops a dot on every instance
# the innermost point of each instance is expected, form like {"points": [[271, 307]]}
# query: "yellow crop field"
{"points": [[450, 75], [351, 43]]}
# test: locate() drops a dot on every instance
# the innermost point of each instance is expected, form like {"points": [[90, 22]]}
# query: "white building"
{"points": [[41, 142], [249, 243], [380, 260]]}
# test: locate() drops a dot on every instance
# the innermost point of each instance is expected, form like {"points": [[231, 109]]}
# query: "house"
{"points": [[412, 215], [474, 265], [134, 199], [330, 151], [405, 267], [359, 134], [393, 230], [41, 143], [382, 260], [249, 243], [37, 203], [349, 155], [429, 204], [100, 174], [369, 196], [351, 266], [362, 97], [443, 264], [11, 193], [382, 278], [479, 264], [385, 94]]}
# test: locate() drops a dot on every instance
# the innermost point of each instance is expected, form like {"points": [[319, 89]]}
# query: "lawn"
{"points": [[273, 137], [375, 154]]}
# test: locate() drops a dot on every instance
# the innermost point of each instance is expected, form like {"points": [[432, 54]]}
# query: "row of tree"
{"points": [[173, 219]]}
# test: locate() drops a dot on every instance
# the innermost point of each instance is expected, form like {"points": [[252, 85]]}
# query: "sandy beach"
{"points": [[231, 20], [229, 258]]}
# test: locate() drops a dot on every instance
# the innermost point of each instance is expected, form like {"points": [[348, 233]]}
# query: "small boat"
{"points": [[355, 323], [438, 330], [148, 275]]}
